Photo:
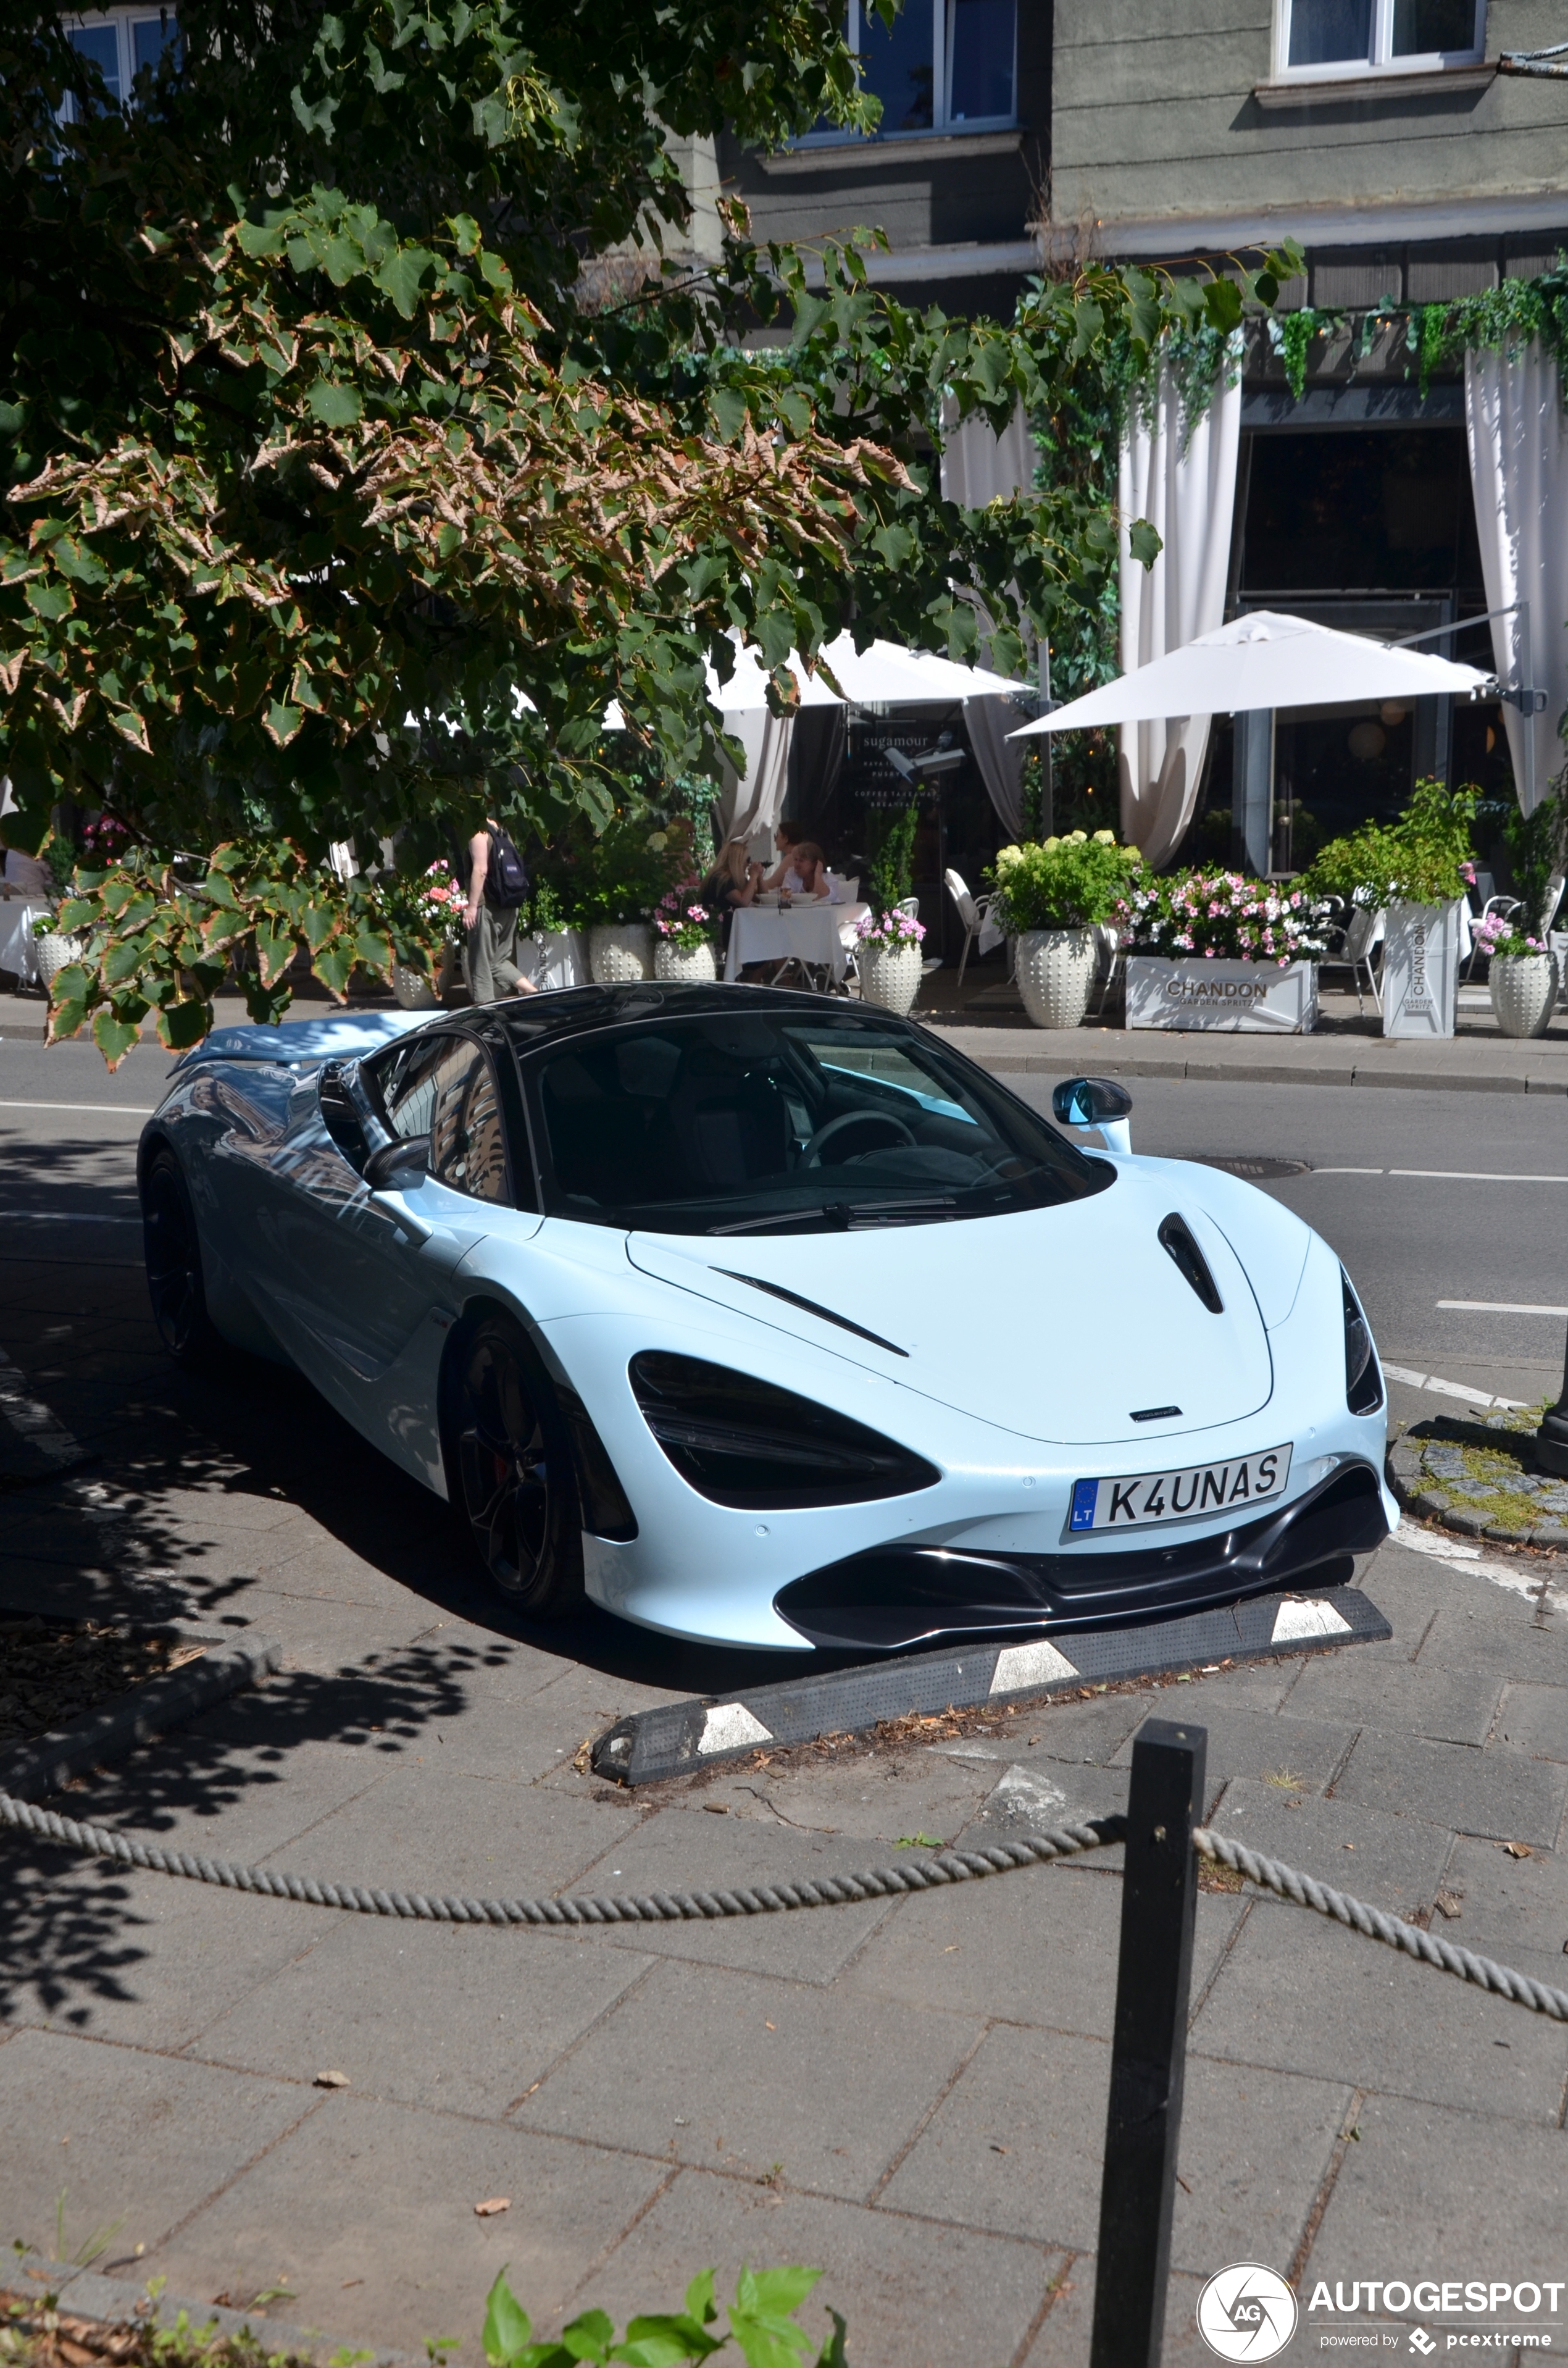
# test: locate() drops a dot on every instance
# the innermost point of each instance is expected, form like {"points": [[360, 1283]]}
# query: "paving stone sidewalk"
{"points": [[910, 2094]]}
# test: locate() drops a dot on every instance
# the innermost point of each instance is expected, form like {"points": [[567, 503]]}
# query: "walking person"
{"points": [[497, 887]]}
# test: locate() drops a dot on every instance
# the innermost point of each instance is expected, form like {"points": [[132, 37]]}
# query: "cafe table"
{"points": [[805, 933]]}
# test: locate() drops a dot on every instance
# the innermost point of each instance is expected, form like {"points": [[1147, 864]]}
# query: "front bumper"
{"points": [[897, 1596]]}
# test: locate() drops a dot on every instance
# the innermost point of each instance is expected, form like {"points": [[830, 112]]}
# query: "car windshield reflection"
{"points": [[778, 1123]]}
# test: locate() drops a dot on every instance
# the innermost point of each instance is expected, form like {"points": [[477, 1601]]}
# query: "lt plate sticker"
{"points": [[1167, 1496]]}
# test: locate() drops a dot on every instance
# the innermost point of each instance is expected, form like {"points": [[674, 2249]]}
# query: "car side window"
{"points": [[468, 1144], [404, 1082]]}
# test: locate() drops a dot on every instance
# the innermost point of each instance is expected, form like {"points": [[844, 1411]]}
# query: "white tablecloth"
{"points": [[18, 946], [810, 932]]}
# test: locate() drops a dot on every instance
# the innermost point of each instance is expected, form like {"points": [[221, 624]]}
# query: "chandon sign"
{"points": [[1258, 998]]}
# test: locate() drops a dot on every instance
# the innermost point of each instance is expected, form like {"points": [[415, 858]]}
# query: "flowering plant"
{"points": [[422, 914], [1498, 936], [1422, 858], [1062, 883], [1222, 916], [893, 928], [681, 920]]}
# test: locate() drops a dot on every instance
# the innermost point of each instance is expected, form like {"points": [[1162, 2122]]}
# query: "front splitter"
{"points": [[677, 1739]]}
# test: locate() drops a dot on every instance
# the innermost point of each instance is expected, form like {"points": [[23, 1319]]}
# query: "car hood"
{"points": [[1056, 1324]]}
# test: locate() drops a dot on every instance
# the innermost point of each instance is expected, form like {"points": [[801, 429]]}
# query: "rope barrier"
{"points": [[778, 1898]]}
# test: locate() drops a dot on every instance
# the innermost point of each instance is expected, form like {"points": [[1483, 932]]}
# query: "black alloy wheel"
{"points": [[172, 1251], [515, 1477]]}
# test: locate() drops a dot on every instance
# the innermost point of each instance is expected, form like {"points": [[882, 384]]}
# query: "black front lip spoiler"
{"points": [[895, 1597]]}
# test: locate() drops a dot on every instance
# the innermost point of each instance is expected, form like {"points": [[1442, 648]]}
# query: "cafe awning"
{"points": [[1260, 661]]}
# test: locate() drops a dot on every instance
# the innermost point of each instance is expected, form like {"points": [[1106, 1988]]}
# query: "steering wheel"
{"points": [[825, 1134]]}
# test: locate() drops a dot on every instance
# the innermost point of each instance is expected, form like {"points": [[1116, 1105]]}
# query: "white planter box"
{"points": [[1230, 998], [553, 958], [1421, 969]]}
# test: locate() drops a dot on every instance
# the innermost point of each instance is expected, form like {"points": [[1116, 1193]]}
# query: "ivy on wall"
{"points": [[1436, 336]]}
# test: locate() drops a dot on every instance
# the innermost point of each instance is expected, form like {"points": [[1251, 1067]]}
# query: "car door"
{"points": [[376, 1266]]}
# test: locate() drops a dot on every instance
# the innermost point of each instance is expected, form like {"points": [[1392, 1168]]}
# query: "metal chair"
{"points": [[1359, 936], [973, 912]]}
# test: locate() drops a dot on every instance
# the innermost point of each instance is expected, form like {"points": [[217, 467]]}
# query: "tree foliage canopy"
{"points": [[320, 441]]}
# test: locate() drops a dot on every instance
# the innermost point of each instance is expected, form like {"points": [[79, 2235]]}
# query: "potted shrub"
{"points": [[1416, 868], [683, 930], [888, 960], [1215, 950], [1050, 895], [423, 916], [1522, 980], [615, 887]]}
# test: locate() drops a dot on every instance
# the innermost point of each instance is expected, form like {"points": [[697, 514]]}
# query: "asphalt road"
{"points": [[1473, 1221]]}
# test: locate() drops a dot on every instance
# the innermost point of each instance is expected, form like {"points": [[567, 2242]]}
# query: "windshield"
{"points": [[775, 1123]]}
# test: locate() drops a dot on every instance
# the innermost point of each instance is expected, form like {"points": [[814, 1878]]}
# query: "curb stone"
{"points": [[88, 2295], [116, 1728], [1416, 1493]]}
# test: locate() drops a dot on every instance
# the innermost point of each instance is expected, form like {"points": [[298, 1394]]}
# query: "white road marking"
{"points": [[1475, 1176], [1347, 1171], [115, 1110], [31, 1420], [1516, 1581], [1500, 1307], [1450, 1389], [62, 1217]]}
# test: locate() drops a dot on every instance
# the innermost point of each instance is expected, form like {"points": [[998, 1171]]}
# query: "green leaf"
{"points": [[1223, 300], [728, 406], [333, 404], [114, 1038], [507, 2325], [399, 278], [334, 965], [831, 2355], [49, 601], [699, 2300], [589, 2337], [181, 1025], [266, 242], [1144, 541], [281, 723]]}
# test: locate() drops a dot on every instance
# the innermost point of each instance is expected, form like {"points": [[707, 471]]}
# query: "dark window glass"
{"points": [[767, 1123], [1323, 32], [468, 1148], [150, 37], [1359, 510], [405, 1083], [1420, 26], [897, 64], [101, 43], [980, 76]]}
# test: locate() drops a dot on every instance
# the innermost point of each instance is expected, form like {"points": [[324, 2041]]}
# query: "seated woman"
{"points": [[786, 872], [810, 869], [734, 879]]}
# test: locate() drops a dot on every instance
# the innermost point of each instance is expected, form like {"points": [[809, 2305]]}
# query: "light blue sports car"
{"points": [[768, 1320]]}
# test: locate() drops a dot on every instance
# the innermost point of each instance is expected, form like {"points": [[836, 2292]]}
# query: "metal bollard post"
{"points": [[1159, 1906], [1552, 1438]]}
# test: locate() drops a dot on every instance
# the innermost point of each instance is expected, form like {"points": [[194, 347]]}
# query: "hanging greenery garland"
{"points": [[1516, 312]]}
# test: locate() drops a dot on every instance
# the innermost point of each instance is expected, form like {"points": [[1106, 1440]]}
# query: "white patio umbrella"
{"points": [[1264, 660]]}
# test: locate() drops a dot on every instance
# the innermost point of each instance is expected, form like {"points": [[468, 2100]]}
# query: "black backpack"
{"points": [[506, 875]]}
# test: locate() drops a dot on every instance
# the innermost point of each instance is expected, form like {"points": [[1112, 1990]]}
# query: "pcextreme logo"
{"points": [[1247, 2311]]}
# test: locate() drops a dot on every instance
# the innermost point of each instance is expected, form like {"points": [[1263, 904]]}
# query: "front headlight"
{"points": [[742, 1443], [1363, 1381]]}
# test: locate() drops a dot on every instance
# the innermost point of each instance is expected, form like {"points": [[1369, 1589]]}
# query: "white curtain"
{"points": [[752, 803], [978, 466], [1519, 470], [1186, 486]]}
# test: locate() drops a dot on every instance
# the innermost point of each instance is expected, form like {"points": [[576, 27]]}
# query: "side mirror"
{"points": [[1098, 1102], [397, 1166]]}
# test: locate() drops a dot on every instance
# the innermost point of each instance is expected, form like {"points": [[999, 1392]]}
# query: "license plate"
{"points": [[1148, 1496]]}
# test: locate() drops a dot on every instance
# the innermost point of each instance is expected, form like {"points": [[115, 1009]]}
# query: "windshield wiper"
{"points": [[864, 1213], [833, 1216]]}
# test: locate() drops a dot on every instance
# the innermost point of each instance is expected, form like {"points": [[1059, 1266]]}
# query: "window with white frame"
{"points": [[944, 66], [122, 41], [1333, 37]]}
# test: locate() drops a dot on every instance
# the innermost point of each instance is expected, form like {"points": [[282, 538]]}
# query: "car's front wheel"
{"points": [[511, 1459], [173, 1253]]}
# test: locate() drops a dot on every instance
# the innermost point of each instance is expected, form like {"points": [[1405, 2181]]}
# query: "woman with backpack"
{"points": [[497, 889]]}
